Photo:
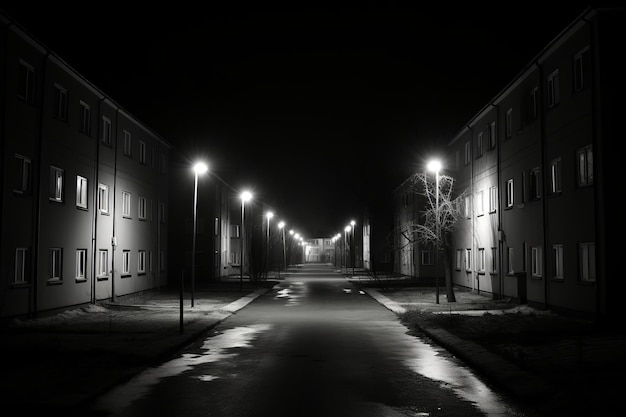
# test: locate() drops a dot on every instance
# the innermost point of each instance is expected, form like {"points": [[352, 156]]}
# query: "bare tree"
{"points": [[437, 220]]}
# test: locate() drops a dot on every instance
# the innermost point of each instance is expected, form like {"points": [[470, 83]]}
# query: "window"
{"points": [[22, 266], [234, 230], [128, 146], [468, 259], [492, 135], [141, 262], [585, 166], [553, 89], [126, 262], [509, 193], [459, 259], [494, 259], [480, 203], [85, 118], [493, 199], [56, 264], [56, 184], [555, 176], [508, 123], [103, 198], [81, 264], [468, 206], [142, 208], [510, 258], [479, 145], [536, 260], [23, 175], [106, 131], [142, 152], [26, 87], [533, 103], [468, 153], [557, 254], [103, 263], [426, 257], [587, 268], [125, 204], [60, 103], [234, 258], [535, 184], [81, 192], [481, 260], [582, 69], [524, 188]]}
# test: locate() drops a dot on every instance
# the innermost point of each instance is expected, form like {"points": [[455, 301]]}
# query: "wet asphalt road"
{"points": [[313, 346]]}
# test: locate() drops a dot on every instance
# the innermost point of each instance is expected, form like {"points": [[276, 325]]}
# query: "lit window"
{"points": [[537, 262], [81, 264], [103, 198], [81, 192], [56, 184], [103, 262], [22, 266], [493, 199], [557, 252], [585, 166], [125, 204], [126, 262], [56, 264]]}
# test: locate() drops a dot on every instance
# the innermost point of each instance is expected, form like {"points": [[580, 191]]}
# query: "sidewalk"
{"points": [[59, 362]]}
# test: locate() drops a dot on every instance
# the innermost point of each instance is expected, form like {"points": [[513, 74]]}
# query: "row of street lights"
{"points": [[201, 168]]}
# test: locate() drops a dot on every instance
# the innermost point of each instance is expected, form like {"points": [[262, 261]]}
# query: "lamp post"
{"points": [[199, 168], [352, 254], [345, 245], [281, 226], [269, 216], [245, 196], [435, 166]]}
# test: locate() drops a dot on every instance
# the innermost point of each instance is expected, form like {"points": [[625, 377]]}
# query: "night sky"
{"points": [[320, 111]]}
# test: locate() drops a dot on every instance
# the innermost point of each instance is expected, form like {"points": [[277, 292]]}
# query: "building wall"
{"points": [[49, 143]]}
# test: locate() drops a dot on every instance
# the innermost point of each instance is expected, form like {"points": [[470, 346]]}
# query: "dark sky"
{"points": [[319, 110]]}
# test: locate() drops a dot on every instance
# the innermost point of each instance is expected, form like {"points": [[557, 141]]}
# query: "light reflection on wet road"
{"points": [[313, 339]]}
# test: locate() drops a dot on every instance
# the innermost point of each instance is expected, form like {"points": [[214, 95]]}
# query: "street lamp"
{"points": [[199, 168], [352, 254], [269, 216], [245, 196], [345, 245], [281, 226], [435, 166]]}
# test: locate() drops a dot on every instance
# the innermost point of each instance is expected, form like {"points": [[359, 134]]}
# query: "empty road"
{"points": [[313, 346]]}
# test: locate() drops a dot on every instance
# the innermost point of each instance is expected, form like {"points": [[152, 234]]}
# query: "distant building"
{"points": [[536, 163], [84, 194]]}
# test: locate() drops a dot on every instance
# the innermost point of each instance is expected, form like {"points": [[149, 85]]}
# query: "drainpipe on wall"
{"points": [[94, 224], [114, 238]]}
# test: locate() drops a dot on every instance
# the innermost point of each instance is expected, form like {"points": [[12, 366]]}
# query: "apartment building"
{"points": [[84, 194], [534, 163]]}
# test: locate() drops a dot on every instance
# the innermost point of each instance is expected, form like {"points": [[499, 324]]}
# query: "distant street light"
{"points": [[199, 168], [281, 226], [435, 166], [269, 216], [245, 196], [345, 247], [352, 254]]}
